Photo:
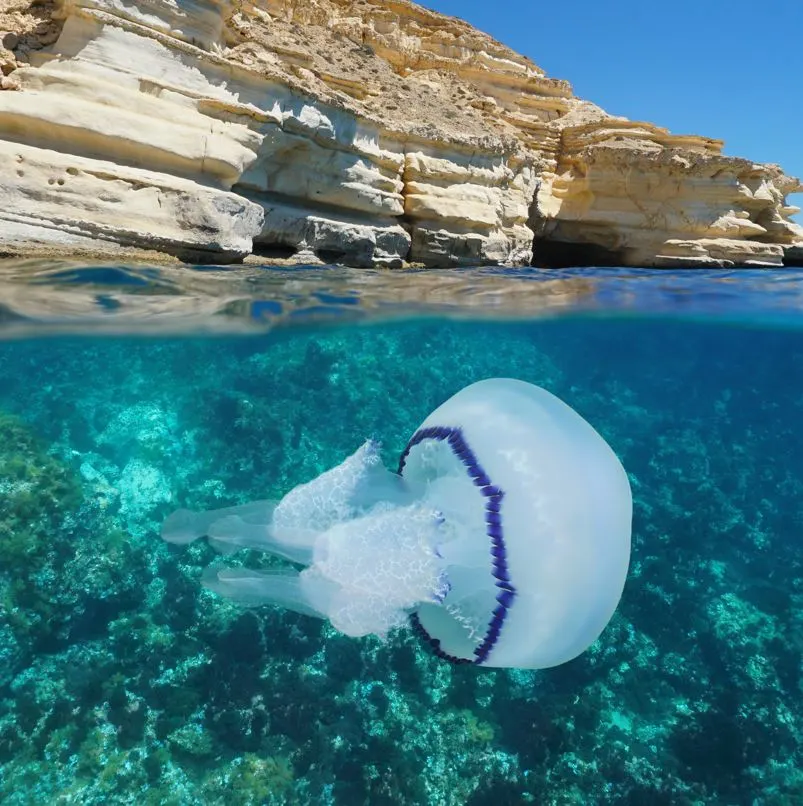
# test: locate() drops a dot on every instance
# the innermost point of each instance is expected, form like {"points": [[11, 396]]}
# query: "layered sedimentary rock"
{"points": [[629, 193], [367, 132]]}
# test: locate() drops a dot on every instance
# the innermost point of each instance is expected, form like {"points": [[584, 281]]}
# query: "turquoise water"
{"points": [[123, 681]]}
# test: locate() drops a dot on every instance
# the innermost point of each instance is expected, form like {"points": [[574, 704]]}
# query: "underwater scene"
{"points": [[125, 680]]}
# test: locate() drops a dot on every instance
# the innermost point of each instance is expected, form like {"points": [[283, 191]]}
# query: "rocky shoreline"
{"points": [[364, 133]]}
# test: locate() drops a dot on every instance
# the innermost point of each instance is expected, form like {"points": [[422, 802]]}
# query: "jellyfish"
{"points": [[502, 538]]}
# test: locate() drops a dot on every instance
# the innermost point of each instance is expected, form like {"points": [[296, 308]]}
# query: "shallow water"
{"points": [[48, 298], [123, 681]]}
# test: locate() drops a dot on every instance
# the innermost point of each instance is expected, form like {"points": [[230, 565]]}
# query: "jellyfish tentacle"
{"points": [[185, 525], [287, 589]]}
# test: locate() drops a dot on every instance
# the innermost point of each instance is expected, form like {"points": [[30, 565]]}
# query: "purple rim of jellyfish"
{"points": [[493, 522]]}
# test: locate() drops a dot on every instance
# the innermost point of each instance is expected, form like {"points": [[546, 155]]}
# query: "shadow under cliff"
{"points": [[549, 254]]}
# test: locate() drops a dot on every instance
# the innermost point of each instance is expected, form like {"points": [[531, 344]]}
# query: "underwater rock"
{"points": [[142, 486]]}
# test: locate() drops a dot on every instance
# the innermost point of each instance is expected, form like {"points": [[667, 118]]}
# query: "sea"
{"points": [[127, 392]]}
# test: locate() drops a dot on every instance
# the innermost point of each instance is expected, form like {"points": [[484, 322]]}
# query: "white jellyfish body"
{"points": [[503, 537]]}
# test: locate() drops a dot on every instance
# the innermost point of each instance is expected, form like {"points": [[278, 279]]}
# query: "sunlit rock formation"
{"points": [[627, 193], [363, 132]]}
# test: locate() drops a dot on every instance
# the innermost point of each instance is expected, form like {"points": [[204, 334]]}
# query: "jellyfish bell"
{"points": [[547, 509], [503, 537]]}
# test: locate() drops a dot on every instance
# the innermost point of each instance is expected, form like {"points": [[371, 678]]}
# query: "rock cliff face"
{"points": [[356, 130]]}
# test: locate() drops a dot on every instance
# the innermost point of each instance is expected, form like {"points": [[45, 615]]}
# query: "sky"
{"points": [[731, 70]]}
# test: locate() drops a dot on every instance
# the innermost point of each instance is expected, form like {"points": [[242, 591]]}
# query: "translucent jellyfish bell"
{"points": [[503, 538]]}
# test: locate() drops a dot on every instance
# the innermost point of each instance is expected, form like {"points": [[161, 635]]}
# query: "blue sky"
{"points": [[731, 70]]}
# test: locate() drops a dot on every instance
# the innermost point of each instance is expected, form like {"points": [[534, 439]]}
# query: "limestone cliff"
{"points": [[358, 130]]}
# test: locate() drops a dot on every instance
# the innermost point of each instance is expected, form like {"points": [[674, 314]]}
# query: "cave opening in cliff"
{"points": [[552, 254], [278, 251]]}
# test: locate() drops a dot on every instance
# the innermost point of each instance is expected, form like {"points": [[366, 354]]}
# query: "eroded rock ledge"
{"points": [[367, 132]]}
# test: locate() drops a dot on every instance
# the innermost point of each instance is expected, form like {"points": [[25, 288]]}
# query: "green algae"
{"points": [[252, 780], [37, 492]]}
